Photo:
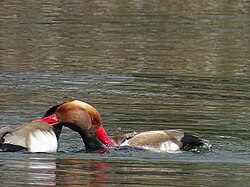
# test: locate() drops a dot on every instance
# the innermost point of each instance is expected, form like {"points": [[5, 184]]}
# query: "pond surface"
{"points": [[144, 65]]}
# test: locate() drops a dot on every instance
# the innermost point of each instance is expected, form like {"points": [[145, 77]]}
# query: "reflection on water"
{"points": [[41, 170], [27, 170], [83, 170], [145, 65]]}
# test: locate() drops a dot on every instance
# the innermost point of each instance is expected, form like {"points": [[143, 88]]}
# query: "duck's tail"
{"points": [[189, 142]]}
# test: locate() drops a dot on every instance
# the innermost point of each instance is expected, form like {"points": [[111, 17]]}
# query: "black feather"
{"points": [[51, 110], [189, 141]]}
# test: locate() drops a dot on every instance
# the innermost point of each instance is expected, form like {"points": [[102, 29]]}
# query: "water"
{"points": [[146, 66]]}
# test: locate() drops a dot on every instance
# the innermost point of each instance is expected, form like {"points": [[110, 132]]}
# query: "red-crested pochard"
{"points": [[86, 120], [37, 136], [162, 141]]}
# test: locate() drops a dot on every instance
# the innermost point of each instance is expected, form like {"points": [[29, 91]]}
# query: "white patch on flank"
{"points": [[42, 141], [125, 143], [169, 146]]}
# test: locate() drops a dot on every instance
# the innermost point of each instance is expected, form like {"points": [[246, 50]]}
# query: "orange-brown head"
{"points": [[86, 120], [81, 115]]}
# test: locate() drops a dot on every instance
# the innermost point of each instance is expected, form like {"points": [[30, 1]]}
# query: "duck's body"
{"points": [[163, 141], [86, 120], [32, 137]]}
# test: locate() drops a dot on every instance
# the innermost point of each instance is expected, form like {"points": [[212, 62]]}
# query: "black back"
{"points": [[11, 148]]}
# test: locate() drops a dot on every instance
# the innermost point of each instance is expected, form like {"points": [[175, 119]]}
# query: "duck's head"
{"points": [[82, 118]]}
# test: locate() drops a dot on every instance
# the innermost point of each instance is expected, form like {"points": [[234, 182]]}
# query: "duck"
{"points": [[86, 120], [37, 136], [171, 141]]}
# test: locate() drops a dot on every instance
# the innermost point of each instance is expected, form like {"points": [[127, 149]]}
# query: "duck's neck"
{"points": [[57, 129], [91, 141]]}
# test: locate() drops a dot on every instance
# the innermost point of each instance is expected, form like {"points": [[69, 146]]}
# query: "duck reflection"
{"points": [[26, 170], [54, 171], [81, 172]]}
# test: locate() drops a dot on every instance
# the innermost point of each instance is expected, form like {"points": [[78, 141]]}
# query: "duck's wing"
{"points": [[4, 131], [9, 141]]}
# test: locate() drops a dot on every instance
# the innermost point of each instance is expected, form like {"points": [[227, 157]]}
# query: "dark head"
{"points": [[189, 142]]}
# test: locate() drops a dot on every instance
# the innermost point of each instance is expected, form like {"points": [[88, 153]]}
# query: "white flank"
{"points": [[42, 141], [168, 146], [125, 143]]}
